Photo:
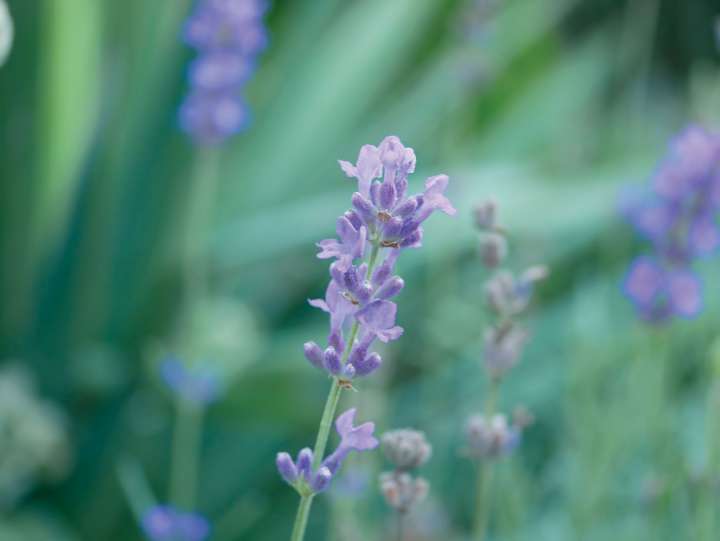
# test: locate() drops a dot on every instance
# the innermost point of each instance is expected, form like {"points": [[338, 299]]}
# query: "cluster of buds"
{"points": [[506, 295], [406, 450], [490, 437], [677, 213], [307, 479]]}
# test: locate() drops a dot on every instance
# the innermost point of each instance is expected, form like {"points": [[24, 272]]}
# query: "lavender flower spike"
{"points": [[228, 35], [677, 213], [383, 221]]}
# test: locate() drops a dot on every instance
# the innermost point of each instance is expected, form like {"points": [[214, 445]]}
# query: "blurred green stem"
{"points": [[485, 471], [303, 512], [186, 443], [135, 486], [203, 186]]}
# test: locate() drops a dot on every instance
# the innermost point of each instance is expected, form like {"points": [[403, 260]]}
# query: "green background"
{"points": [[550, 107]]}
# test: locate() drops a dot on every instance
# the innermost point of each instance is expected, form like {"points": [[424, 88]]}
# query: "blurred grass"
{"points": [[549, 108]]}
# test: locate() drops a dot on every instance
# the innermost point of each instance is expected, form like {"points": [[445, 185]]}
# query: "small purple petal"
{"points": [[685, 292], [304, 463], [390, 288], [314, 354], [332, 362], [321, 480], [286, 467]]}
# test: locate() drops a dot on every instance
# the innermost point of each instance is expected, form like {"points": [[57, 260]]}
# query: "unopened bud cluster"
{"points": [[507, 296], [406, 449], [493, 436]]}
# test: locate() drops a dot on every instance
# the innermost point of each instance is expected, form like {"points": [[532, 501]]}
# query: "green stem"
{"points": [[135, 486], [186, 444], [203, 186], [303, 512], [401, 526], [301, 518], [485, 471]]}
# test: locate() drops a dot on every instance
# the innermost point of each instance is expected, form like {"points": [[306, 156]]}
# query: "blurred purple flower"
{"points": [[677, 213], [352, 438], [166, 523], [196, 385], [228, 35]]}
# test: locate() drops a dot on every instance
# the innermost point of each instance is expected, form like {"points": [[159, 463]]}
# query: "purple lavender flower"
{"points": [[228, 35], [166, 523], [196, 385], [300, 473], [678, 215], [384, 220]]}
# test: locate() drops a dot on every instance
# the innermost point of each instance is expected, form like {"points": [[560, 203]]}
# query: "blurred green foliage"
{"points": [[549, 107]]}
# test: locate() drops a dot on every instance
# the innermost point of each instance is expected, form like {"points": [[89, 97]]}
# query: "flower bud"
{"points": [[493, 249], [321, 480], [406, 449], [485, 215], [286, 467], [314, 354], [304, 463]]}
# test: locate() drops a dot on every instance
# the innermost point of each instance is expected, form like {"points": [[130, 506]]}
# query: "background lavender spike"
{"points": [[488, 435], [228, 35], [677, 213]]}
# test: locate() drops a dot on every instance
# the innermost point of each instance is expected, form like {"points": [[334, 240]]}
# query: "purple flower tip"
{"points": [[166, 523]]}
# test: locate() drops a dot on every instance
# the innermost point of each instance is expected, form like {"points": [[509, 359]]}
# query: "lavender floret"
{"points": [[300, 473], [166, 523], [193, 384]]}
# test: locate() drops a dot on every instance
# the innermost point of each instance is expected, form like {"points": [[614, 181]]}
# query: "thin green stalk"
{"points": [[135, 486], [203, 186], [303, 512], [186, 445], [485, 472], [400, 526]]}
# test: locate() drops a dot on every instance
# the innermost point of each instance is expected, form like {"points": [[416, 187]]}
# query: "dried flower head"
{"points": [[491, 437], [402, 491], [493, 249], [406, 449], [485, 215], [502, 348]]}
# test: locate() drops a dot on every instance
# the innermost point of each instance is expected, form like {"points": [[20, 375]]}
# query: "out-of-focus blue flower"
{"points": [[300, 473], [166, 523], [677, 213], [228, 35], [194, 384]]}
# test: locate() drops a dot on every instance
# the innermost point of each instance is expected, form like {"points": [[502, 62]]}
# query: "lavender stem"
{"points": [[485, 470], [326, 420], [186, 441]]}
